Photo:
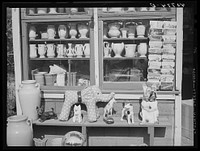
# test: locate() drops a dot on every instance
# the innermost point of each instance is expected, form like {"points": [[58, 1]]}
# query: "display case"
{"points": [[137, 45], [58, 47]]}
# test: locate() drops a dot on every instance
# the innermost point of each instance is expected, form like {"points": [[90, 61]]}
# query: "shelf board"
{"points": [[66, 58], [123, 58], [59, 40], [125, 39]]}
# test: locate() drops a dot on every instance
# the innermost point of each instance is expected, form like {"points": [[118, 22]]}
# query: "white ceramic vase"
{"points": [[51, 31], [86, 50], [32, 33], [117, 48], [42, 50], [51, 50], [142, 49], [83, 30], [62, 31], [72, 30]]}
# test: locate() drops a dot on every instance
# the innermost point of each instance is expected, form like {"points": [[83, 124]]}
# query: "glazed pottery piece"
{"points": [[32, 33], [33, 51], [19, 131], [130, 50], [41, 10], [79, 50], [72, 30], [140, 30], [60, 51], [30, 98], [51, 50], [51, 31], [86, 50], [142, 49], [83, 30], [114, 30], [62, 31], [117, 48], [42, 49]]}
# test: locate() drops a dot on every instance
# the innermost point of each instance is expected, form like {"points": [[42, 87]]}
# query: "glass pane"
{"points": [[125, 70]]}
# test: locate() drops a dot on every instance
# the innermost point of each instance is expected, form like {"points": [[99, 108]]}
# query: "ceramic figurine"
{"points": [[70, 50], [43, 116], [127, 113], [108, 110], [106, 50], [77, 114]]}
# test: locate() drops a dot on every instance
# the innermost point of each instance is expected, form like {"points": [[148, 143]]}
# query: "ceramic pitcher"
{"points": [[51, 31], [62, 31], [70, 50], [86, 49], [50, 50], [19, 131], [79, 50]]}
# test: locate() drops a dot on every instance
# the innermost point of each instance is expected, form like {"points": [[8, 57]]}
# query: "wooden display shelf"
{"points": [[125, 39], [60, 40], [123, 58], [65, 58]]}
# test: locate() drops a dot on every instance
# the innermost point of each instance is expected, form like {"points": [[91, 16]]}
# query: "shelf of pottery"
{"points": [[59, 43]]}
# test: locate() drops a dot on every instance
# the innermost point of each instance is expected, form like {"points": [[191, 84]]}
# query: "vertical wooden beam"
{"points": [[178, 98], [17, 54], [96, 35]]}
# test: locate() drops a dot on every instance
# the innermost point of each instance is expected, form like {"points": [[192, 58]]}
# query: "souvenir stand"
{"points": [[116, 49]]}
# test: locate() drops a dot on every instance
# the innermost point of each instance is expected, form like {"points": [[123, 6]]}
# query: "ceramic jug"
{"points": [[130, 50], [60, 51], [52, 11], [33, 51], [42, 49], [106, 49], [72, 30], [70, 50], [142, 49], [62, 31], [117, 48], [19, 131], [83, 30], [79, 50], [51, 31], [86, 50], [114, 30], [30, 98], [50, 50], [140, 30], [32, 33]]}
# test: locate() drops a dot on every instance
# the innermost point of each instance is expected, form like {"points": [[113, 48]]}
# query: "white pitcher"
{"points": [[50, 50], [51, 31], [79, 50], [86, 49], [42, 50], [130, 50], [33, 51], [117, 48], [62, 31], [60, 51], [32, 33]]}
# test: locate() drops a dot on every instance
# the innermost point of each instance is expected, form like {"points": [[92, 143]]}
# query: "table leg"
{"points": [[151, 135]]}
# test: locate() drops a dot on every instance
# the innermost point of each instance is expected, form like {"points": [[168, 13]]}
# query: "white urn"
{"points": [[83, 30], [86, 50], [140, 30], [62, 31], [114, 30], [72, 30], [60, 51], [117, 48], [79, 50]]}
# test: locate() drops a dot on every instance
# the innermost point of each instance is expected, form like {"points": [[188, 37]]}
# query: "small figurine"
{"points": [[127, 113], [108, 110], [149, 105], [43, 116], [77, 114]]}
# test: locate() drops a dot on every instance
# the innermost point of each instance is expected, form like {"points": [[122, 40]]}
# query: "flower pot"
{"points": [[19, 131]]}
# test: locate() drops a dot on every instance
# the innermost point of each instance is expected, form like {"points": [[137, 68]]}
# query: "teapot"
{"points": [[79, 50], [86, 49], [51, 31], [117, 48], [62, 31], [50, 50]]}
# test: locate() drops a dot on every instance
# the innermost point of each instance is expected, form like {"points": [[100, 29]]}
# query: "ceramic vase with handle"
{"points": [[19, 131], [62, 31], [30, 98], [33, 51], [79, 50], [51, 50], [86, 50], [51, 31], [142, 49], [117, 48], [42, 49]]}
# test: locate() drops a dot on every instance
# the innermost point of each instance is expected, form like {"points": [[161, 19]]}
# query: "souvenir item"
{"points": [[143, 9], [130, 50], [169, 38], [156, 24], [117, 48], [128, 114], [41, 10], [44, 35], [83, 30], [114, 30], [155, 44], [72, 30], [43, 116], [77, 114], [52, 11], [73, 138], [131, 9], [167, 78], [108, 109], [167, 86], [19, 131], [152, 9], [42, 50], [33, 51], [74, 10], [154, 64], [51, 31], [29, 97], [168, 64], [86, 50], [32, 33], [62, 31], [155, 50], [79, 50], [154, 57], [88, 96], [168, 57], [142, 49], [51, 50], [169, 24]]}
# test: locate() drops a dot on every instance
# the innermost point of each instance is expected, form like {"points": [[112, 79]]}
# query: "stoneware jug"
{"points": [[72, 30], [32, 33], [62, 31], [19, 131], [42, 49], [79, 50], [83, 30], [51, 31], [30, 98], [86, 50], [51, 50], [33, 51], [60, 51], [117, 48], [142, 49], [130, 50]]}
